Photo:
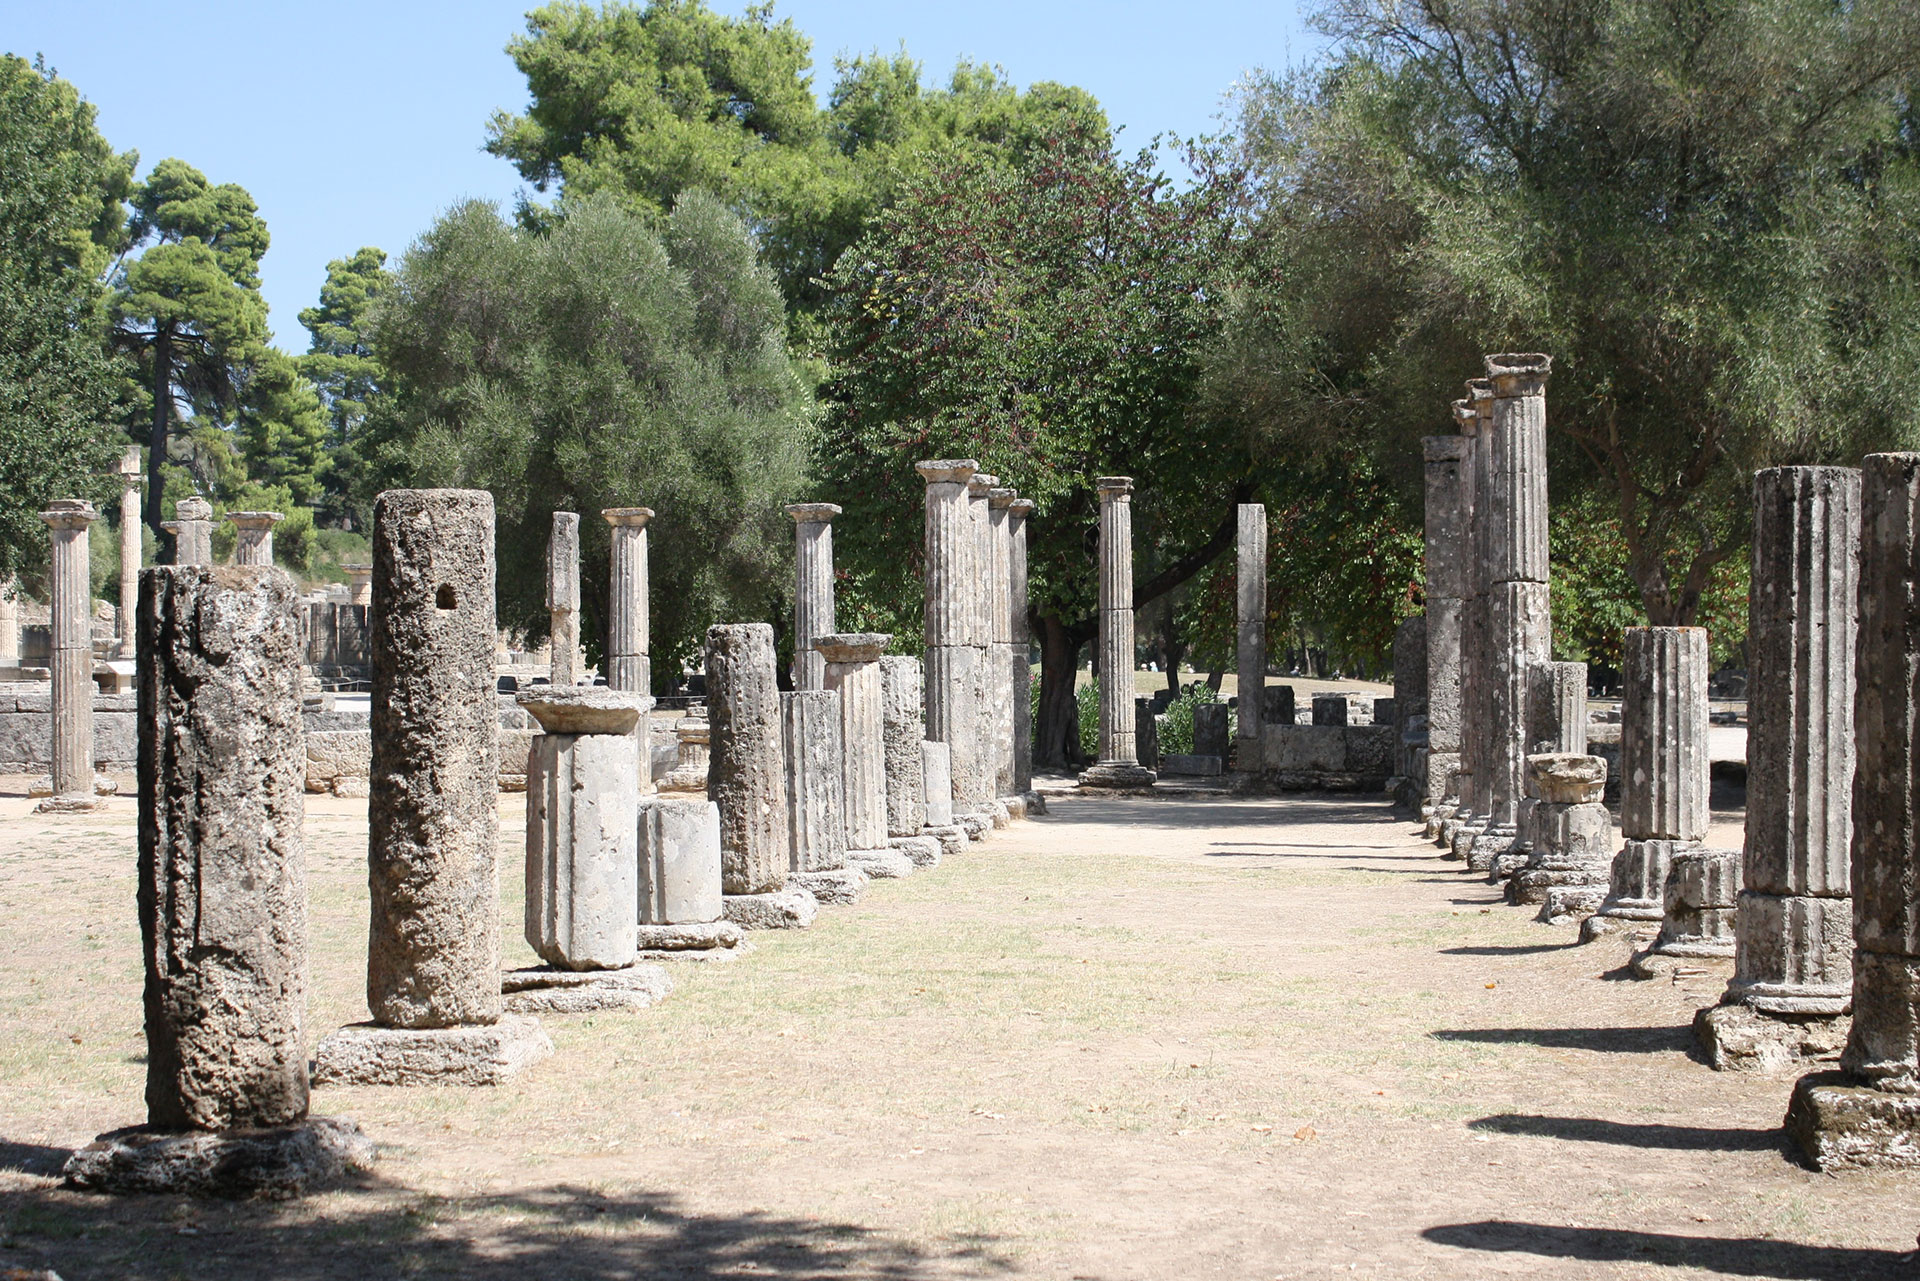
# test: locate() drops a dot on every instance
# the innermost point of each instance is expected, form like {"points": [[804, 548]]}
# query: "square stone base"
{"points": [[921, 851], [841, 885], [692, 936], [1666, 961], [886, 864], [976, 826], [1739, 1038], [1840, 1125], [481, 1054], [274, 1163], [788, 909], [1124, 775], [542, 989], [1566, 904], [952, 837]]}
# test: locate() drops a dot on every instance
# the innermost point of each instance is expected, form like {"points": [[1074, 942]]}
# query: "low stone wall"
{"points": [[1331, 758], [340, 749], [26, 729]]}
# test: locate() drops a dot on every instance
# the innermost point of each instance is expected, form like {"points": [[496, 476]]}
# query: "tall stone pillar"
{"points": [[812, 589], [192, 528], [253, 536], [975, 772], [853, 670], [1663, 767], [433, 955], [1000, 639], [1447, 517], [9, 621], [223, 899], [563, 598], [1473, 812], [1022, 647], [1118, 765], [628, 666], [1793, 958], [129, 473], [71, 660], [813, 750], [950, 658], [904, 731], [1868, 1113], [746, 777], [1251, 593]]}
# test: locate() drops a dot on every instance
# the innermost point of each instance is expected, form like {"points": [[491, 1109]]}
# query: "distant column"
{"points": [[1000, 642], [1471, 816], [359, 584], [129, 556], [253, 537], [1022, 668], [71, 660], [1118, 765], [812, 589], [974, 771], [1447, 518], [629, 667], [1251, 591], [192, 531], [853, 669], [563, 598], [949, 656], [9, 621]]}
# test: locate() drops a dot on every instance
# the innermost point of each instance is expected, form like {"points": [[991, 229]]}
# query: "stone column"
{"points": [[936, 767], [1572, 837], [812, 589], [1557, 709], [1251, 593], [1663, 767], [689, 773], [433, 956], [1447, 518], [9, 621], [1118, 765], [1409, 710], [904, 731], [853, 670], [359, 584], [975, 771], [1868, 1113], [813, 748], [628, 665], [1471, 815], [680, 900], [71, 660], [563, 598], [1022, 669], [129, 474], [950, 658], [1698, 902], [253, 536], [746, 777], [192, 531], [1793, 960], [1000, 648]]}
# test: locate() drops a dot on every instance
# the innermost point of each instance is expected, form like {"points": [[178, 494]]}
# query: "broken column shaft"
{"points": [[812, 589], [629, 667]]}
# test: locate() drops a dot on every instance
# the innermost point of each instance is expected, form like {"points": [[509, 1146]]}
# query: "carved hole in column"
{"points": [[446, 598]]}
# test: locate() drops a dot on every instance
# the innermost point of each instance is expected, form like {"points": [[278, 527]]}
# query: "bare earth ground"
{"points": [[1168, 1039]]}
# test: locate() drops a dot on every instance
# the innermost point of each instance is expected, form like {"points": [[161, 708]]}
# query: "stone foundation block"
{"points": [[545, 990], [1016, 807], [1566, 904], [1739, 1038], [1842, 1125], [476, 1054], [952, 837], [1796, 953], [976, 826], [1000, 815], [841, 885], [921, 851], [1122, 775], [273, 1163], [884, 864], [788, 909], [690, 937]]}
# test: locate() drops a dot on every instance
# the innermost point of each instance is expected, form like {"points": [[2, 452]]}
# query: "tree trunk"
{"points": [[157, 433], [1172, 651], [1056, 732]]}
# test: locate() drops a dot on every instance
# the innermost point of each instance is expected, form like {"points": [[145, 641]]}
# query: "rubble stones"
{"points": [[272, 1163]]}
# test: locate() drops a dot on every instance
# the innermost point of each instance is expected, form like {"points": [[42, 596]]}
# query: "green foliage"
{"points": [[1176, 725], [341, 365], [601, 363], [1086, 702], [282, 428], [59, 220]]}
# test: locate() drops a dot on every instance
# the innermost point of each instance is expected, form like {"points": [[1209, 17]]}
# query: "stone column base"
{"points": [[976, 826], [1488, 845], [838, 885], [1842, 1125], [1661, 960], [921, 851], [1462, 839], [1619, 916], [542, 989], [788, 909], [479, 1054], [952, 837], [72, 803], [690, 936], [1536, 884], [881, 864], [1015, 806], [1567, 904], [1124, 775], [1739, 1038], [274, 1163]]}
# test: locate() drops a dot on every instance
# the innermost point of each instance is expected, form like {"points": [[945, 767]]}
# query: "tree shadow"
{"points": [[1604, 1040], [1670, 1138], [564, 1232], [32, 1158], [1724, 1256]]}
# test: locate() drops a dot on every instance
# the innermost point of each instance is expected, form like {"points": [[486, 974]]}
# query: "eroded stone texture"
{"points": [[253, 536], [937, 782], [222, 874], [1446, 550], [71, 657], [746, 776], [1021, 678], [563, 597], [192, 529], [813, 748], [1557, 709], [1250, 590], [433, 956], [853, 671], [679, 861], [812, 590], [1699, 900], [903, 730], [692, 736], [255, 1164], [1571, 835], [629, 625]]}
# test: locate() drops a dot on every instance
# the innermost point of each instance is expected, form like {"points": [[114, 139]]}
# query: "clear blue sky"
{"points": [[354, 123]]}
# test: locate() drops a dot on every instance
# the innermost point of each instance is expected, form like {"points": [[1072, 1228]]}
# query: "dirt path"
{"points": [[1247, 1038]]}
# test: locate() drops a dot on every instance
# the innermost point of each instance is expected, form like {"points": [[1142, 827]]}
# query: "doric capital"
{"points": [[69, 513], [1001, 499], [980, 483], [626, 516], [584, 709], [802, 513], [1465, 416], [1445, 449], [193, 507], [1480, 393], [1022, 507], [951, 471], [852, 647], [255, 520], [129, 467], [1119, 486], [1519, 373]]}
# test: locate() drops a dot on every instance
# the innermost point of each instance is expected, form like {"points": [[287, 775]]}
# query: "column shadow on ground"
{"points": [[1722, 1256], [1606, 1040], [1657, 1137]]}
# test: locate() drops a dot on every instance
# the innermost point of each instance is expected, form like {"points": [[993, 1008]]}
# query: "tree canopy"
{"points": [[341, 365]]}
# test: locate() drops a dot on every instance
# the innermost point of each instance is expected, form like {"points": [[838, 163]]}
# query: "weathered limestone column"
{"points": [[853, 671], [1472, 814], [1118, 765], [1793, 963], [253, 536], [222, 898], [124, 626], [812, 589], [746, 778], [1699, 900], [629, 666], [9, 621], [680, 900], [975, 771], [1022, 647], [904, 730], [1251, 594], [359, 584], [71, 660], [1000, 502], [950, 658], [563, 598], [1447, 520], [1572, 837], [1410, 745], [813, 747], [1663, 764], [192, 531], [692, 736], [433, 957], [1868, 1113]]}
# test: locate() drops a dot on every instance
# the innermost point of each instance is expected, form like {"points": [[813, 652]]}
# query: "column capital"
{"points": [[626, 516], [1480, 394], [193, 507], [981, 483], [804, 513], [69, 513], [1022, 506], [255, 520], [584, 709], [128, 468], [1118, 485], [953, 471], [1466, 417], [1519, 373], [1446, 449], [1002, 498], [852, 647]]}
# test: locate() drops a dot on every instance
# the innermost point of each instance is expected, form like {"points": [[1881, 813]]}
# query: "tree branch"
{"points": [[1197, 559]]}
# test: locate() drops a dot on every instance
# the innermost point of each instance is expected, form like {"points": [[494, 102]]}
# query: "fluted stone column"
{"points": [[9, 621], [253, 536], [681, 905], [1118, 765], [71, 660], [853, 670], [563, 598], [812, 589], [903, 727], [950, 658], [975, 771], [124, 625], [1868, 1113], [1251, 597], [1447, 517], [1571, 854], [359, 584], [628, 628], [192, 529], [1473, 812], [1000, 502], [813, 747], [1699, 901], [1793, 966], [433, 956], [1022, 647], [1663, 766]]}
